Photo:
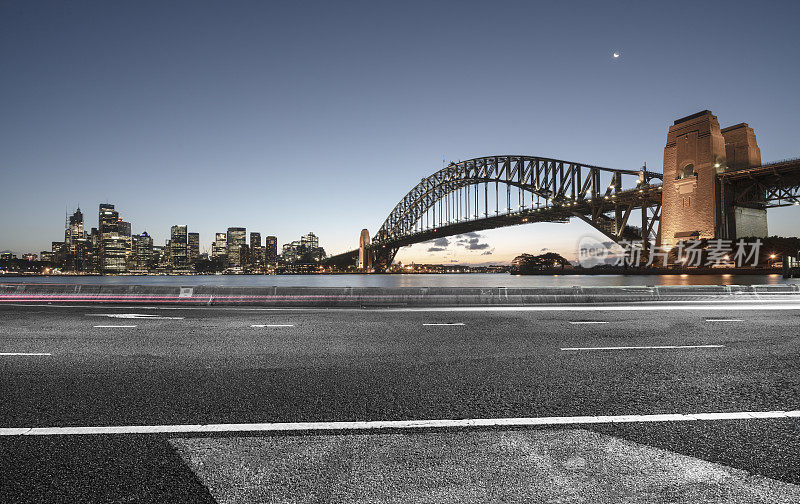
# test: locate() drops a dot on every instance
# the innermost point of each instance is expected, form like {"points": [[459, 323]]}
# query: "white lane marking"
{"points": [[444, 324], [272, 325], [10, 354], [109, 326], [724, 320], [133, 316], [393, 424], [588, 322], [659, 347]]}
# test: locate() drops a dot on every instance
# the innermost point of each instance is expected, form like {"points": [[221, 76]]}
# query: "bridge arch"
{"points": [[563, 189]]}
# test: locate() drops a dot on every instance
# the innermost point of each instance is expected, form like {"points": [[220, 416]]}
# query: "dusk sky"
{"points": [[289, 117]]}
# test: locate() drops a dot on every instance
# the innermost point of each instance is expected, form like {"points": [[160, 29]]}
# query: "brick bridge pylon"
{"points": [[696, 204], [364, 252]]}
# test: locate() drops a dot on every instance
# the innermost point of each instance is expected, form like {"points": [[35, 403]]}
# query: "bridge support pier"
{"points": [[383, 258], [365, 255]]}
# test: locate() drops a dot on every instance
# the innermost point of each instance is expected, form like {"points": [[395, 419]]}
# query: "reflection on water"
{"points": [[415, 280]]}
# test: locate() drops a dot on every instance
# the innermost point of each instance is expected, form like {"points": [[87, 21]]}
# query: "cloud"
{"points": [[473, 244], [488, 252], [439, 244]]}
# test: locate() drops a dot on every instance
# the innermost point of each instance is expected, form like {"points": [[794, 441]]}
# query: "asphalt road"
{"points": [[242, 365]]}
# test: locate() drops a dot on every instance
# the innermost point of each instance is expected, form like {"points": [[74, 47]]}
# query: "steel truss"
{"points": [[457, 199]]}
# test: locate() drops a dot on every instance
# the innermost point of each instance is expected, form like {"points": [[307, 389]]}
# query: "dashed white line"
{"points": [[588, 322], [393, 424], [272, 325], [724, 320], [444, 324], [657, 347], [114, 326], [30, 354]]}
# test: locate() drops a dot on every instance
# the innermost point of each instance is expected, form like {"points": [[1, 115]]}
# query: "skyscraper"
{"points": [[271, 249], [124, 229], [76, 230], [78, 246], [178, 247], [219, 248], [142, 253], [256, 251], [194, 247], [112, 249], [237, 236]]}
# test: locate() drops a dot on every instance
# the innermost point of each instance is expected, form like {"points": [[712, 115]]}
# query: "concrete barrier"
{"points": [[369, 297]]}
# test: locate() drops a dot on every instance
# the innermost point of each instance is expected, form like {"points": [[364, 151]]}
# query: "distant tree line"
{"points": [[528, 262]]}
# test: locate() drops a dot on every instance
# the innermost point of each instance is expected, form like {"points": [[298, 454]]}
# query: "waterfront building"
{"points": [[310, 241], [29, 257], [141, 258], [237, 236], [271, 249], [112, 248], [193, 241], [160, 257], [290, 252], [124, 228], [79, 246], [219, 248], [303, 251], [256, 251], [93, 250], [178, 248], [75, 230]]}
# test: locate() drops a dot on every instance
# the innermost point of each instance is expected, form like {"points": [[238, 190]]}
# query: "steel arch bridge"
{"points": [[498, 191]]}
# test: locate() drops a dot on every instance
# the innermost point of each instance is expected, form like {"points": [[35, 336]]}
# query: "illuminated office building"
{"points": [[256, 250], [178, 247], [271, 249], [219, 248], [237, 236], [310, 241], [193, 250], [112, 248], [141, 258]]}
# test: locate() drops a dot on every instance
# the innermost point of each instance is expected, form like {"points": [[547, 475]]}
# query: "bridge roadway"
{"points": [[94, 365]]}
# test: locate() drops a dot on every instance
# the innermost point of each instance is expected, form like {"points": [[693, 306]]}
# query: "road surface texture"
{"points": [[167, 367]]}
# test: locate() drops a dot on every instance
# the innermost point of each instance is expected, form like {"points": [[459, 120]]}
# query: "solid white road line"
{"points": [[588, 322], [110, 326], [272, 325], [392, 424], [11, 354], [444, 324], [724, 320], [660, 347]]}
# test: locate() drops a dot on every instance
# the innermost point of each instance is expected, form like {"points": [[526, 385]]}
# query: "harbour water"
{"points": [[412, 280]]}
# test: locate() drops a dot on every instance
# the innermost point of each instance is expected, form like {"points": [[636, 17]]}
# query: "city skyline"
{"points": [[254, 126]]}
